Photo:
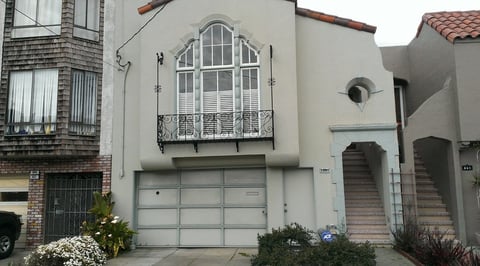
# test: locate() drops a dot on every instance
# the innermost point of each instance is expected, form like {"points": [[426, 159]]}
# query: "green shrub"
{"points": [[281, 246], [111, 233], [79, 250], [430, 247], [294, 245], [409, 237], [435, 249]]}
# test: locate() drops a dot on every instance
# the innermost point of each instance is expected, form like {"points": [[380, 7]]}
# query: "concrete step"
{"points": [[382, 231], [374, 207], [364, 196], [433, 219], [385, 243], [426, 190], [358, 181], [428, 197], [365, 216], [423, 182], [361, 190], [427, 205], [366, 223], [433, 212], [362, 209], [347, 162], [357, 168]]}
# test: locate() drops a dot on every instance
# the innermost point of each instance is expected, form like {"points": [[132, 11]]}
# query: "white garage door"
{"points": [[221, 207], [14, 198]]}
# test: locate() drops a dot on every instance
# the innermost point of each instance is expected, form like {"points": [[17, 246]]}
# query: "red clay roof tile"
{"points": [[156, 3], [300, 11], [336, 20], [454, 25]]}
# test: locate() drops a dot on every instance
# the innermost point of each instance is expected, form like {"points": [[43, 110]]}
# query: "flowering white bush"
{"points": [[71, 251]]}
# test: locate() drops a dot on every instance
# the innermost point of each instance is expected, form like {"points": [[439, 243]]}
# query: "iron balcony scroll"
{"points": [[215, 127]]}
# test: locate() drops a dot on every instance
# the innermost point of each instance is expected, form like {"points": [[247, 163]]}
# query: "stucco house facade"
{"points": [[438, 74], [234, 117]]}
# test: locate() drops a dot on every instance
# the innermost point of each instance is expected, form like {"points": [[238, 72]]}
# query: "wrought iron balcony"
{"points": [[215, 127]]}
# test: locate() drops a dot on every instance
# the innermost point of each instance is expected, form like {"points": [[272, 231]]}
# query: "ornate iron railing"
{"points": [[215, 127]]}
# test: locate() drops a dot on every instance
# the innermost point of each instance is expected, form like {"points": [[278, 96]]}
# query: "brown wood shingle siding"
{"points": [[65, 53]]}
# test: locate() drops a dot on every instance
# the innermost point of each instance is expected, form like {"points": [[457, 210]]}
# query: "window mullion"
{"points": [[86, 15], [32, 99], [37, 11]]}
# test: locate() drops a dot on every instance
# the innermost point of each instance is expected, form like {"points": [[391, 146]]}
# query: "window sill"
{"points": [[28, 32], [32, 135], [86, 34]]}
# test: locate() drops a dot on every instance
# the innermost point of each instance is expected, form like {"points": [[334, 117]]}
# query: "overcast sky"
{"points": [[396, 21]]}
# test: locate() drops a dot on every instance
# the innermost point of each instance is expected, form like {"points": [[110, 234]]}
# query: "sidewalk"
{"points": [[201, 257], [221, 256]]}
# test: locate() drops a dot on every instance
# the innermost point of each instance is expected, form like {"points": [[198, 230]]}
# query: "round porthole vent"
{"points": [[358, 93]]}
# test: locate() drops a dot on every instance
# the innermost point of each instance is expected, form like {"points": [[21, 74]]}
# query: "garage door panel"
{"points": [[245, 176], [151, 217], [200, 216], [245, 216], [242, 237], [148, 197], [200, 196], [204, 237], [13, 197], [202, 177], [207, 207], [152, 179], [157, 237], [245, 195]]}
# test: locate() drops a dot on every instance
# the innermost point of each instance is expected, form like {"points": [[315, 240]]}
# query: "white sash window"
{"points": [[83, 105], [32, 102], [225, 107], [37, 18], [87, 19]]}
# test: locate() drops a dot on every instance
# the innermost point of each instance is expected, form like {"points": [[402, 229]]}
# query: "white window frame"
{"points": [[86, 105], [236, 67], [26, 24], [27, 124], [87, 31], [218, 127]]}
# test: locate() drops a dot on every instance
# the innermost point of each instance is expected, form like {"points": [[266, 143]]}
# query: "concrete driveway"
{"points": [[201, 257]]}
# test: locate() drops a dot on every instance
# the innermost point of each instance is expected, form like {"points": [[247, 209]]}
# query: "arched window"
{"points": [[221, 103]]}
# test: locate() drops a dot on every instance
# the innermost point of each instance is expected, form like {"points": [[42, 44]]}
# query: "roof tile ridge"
{"points": [[357, 25]]}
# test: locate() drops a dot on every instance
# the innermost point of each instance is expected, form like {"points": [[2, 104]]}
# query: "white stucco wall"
{"points": [[135, 147], [467, 64], [329, 57], [107, 79], [313, 62]]}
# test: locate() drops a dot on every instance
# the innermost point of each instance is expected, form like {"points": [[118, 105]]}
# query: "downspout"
{"points": [[124, 67]]}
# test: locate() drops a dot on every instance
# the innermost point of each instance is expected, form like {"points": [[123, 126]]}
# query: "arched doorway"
{"points": [[379, 142]]}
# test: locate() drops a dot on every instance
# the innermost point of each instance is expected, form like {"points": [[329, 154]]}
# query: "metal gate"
{"points": [[69, 197]]}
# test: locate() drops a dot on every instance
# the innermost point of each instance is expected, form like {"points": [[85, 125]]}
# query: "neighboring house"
{"points": [[438, 76], [232, 117], [53, 151]]}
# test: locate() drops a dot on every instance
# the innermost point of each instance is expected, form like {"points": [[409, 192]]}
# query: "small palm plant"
{"points": [[111, 233]]}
